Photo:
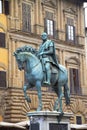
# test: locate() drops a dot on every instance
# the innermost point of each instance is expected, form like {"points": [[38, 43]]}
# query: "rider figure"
{"points": [[47, 57]]}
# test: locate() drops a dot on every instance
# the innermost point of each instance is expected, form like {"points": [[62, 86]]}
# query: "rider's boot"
{"points": [[48, 77]]}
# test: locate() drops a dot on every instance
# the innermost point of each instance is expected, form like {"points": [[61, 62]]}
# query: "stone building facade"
{"points": [[21, 23]]}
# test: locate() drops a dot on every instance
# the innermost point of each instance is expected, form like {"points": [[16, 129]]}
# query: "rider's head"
{"points": [[44, 36]]}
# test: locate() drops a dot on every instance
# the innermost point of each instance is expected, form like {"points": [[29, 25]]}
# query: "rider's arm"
{"points": [[50, 51]]}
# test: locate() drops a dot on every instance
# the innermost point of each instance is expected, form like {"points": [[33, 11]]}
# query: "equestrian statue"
{"points": [[42, 69]]}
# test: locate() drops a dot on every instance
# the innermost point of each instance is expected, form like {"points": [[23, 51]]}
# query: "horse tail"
{"points": [[67, 94]]}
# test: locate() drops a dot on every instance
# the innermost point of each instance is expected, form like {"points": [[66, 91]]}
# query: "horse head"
{"points": [[21, 55], [20, 58]]}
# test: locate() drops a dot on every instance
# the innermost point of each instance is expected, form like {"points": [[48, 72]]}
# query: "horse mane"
{"points": [[26, 49]]}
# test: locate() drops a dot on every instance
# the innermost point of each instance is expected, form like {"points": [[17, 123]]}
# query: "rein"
{"points": [[35, 65]]}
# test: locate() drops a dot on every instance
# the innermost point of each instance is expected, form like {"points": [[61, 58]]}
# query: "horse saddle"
{"points": [[54, 69]]}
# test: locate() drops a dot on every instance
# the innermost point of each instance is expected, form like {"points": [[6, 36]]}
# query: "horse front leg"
{"points": [[56, 108], [38, 86], [25, 93]]}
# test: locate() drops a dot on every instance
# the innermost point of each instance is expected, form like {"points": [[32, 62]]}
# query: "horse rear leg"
{"points": [[67, 94], [38, 86], [58, 102]]}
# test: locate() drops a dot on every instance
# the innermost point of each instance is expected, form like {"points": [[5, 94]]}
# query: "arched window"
{"points": [[73, 65]]}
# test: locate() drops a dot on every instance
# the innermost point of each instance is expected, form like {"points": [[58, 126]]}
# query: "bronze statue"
{"points": [[47, 57], [36, 64]]}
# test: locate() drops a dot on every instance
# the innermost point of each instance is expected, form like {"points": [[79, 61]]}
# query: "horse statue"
{"points": [[28, 61]]}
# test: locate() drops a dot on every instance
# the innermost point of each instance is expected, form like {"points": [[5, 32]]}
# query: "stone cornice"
{"points": [[38, 41], [52, 3]]}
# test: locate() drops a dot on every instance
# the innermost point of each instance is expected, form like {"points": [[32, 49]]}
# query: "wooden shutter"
{"points": [[66, 27], [2, 39], [45, 25], [6, 7], [71, 80], [2, 79], [74, 34], [78, 88], [54, 30], [74, 81]]}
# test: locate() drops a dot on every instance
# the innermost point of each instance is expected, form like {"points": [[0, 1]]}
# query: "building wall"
{"points": [[3, 62], [69, 55]]}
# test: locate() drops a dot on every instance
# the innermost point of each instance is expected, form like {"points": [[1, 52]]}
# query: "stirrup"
{"points": [[46, 82]]}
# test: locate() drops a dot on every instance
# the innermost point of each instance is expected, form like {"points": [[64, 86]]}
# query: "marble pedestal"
{"points": [[48, 120]]}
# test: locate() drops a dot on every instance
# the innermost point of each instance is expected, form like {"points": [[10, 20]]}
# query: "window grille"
{"points": [[26, 17], [78, 120]]}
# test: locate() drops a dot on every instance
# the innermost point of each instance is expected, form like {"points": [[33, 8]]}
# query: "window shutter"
{"points": [[2, 39], [74, 34], [66, 27], [78, 88], [45, 25], [74, 81], [2, 79], [54, 30], [26, 17], [71, 80], [6, 6]]}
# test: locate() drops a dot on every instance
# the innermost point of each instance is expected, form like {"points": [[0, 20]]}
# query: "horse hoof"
{"points": [[28, 100], [60, 111], [39, 108]]}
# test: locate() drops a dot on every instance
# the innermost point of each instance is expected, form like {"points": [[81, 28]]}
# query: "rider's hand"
{"points": [[40, 54]]}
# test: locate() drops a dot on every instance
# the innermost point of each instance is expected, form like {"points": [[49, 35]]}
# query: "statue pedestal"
{"points": [[49, 120]]}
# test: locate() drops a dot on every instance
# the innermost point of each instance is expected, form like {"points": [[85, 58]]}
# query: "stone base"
{"points": [[47, 120]]}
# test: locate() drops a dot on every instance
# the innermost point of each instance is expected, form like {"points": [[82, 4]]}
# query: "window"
{"points": [[74, 81], [49, 25], [2, 79], [0, 6], [70, 30], [4, 6], [26, 17], [2, 39], [78, 120]]}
